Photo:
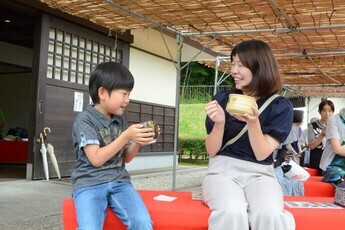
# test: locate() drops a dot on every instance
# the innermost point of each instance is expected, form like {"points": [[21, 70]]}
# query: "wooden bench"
{"points": [[185, 213]]}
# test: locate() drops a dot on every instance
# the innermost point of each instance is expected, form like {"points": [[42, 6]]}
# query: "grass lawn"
{"points": [[192, 125], [192, 120]]}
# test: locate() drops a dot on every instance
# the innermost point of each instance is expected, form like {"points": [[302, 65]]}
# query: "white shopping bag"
{"points": [[296, 172]]}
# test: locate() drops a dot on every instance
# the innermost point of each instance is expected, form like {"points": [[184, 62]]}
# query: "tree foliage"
{"points": [[199, 74]]}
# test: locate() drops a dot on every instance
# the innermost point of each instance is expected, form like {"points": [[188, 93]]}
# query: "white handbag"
{"points": [[296, 172]]}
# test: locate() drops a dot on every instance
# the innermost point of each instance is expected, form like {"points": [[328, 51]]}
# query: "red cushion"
{"points": [[315, 187]]}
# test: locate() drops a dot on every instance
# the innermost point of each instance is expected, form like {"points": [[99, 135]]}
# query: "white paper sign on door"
{"points": [[78, 102]]}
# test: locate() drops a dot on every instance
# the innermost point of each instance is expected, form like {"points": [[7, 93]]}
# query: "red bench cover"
{"points": [[13, 151], [315, 187], [317, 218], [312, 172], [185, 213]]}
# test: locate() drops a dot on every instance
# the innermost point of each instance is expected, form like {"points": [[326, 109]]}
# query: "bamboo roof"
{"points": [[306, 36]]}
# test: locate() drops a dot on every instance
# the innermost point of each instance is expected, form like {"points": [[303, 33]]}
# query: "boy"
{"points": [[103, 144]]}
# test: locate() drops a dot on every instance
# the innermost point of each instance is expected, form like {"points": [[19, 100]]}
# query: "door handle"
{"points": [[40, 107]]}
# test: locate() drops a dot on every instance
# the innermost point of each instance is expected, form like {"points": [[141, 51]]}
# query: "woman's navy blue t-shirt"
{"points": [[276, 121]]}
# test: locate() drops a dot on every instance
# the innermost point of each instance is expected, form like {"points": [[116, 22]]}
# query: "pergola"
{"points": [[306, 36]]}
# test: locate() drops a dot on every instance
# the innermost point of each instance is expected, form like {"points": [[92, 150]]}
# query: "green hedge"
{"points": [[192, 149]]}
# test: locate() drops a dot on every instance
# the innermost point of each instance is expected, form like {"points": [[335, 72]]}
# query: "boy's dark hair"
{"points": [[257, 56], [298, 116], [109, 75], [326, 102]]}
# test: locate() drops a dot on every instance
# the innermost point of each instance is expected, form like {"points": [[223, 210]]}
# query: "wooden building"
{"points": [[46, 59]]}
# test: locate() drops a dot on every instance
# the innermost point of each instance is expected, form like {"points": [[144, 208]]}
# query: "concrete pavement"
{"points": [[25, 200]]}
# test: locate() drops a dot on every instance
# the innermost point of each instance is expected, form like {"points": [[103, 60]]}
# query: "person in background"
{"points": [[317, 133], [303, 140], [240, 186], [289, 185], [103, 144], [334, 152], [290, 174], [2, 123], [290, 148], [292, 143]]}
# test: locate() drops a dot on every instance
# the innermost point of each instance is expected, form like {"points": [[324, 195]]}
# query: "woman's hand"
{"points": [[215, 112], [323, 132], [213, 141], [249, 118]]}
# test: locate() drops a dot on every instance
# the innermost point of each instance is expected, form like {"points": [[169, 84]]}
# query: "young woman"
{"points": [[317, 134], [240, 186], [334, 152]]}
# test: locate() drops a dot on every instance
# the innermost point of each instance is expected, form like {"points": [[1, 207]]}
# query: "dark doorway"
{"points": [[17, 28]]}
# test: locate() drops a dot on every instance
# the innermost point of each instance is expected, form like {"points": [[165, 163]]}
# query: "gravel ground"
{"points": [[52, 222], [189, 180], [186, 180]]}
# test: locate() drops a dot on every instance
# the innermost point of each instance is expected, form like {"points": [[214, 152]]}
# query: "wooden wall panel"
{"points": [[165, 117]]}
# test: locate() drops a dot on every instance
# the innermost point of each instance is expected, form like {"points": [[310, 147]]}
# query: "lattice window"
{"points": [[72, 57]]}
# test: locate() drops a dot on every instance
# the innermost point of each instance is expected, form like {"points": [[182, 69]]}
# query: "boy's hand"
{"points": [[143, 136]]}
